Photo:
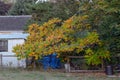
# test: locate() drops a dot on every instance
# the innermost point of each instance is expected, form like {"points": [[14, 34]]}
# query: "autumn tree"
{"points": [[71, 36], [94, 29]]}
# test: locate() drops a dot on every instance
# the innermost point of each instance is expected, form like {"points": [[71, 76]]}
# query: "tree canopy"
{"points": [[94, 29], [71, 36], [104, 17]]}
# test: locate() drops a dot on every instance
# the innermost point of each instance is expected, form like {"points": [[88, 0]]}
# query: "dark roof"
{"points": [[13, 23]]}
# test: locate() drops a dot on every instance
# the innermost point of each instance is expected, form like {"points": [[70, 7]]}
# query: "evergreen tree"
{"points": [[63, 9], [4, 8], [22, 7], [104, 16]]}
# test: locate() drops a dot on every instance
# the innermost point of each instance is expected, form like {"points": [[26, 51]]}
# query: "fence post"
{"points": [[0, 60]]}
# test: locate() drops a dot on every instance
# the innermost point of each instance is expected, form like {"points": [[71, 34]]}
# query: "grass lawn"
{"points": [[17, 74]]}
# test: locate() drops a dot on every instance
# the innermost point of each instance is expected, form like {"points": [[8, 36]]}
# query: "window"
{"points": [[3, 45]]}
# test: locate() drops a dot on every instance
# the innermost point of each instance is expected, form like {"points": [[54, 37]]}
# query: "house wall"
{"points": [[13, 42], [8, 58]]}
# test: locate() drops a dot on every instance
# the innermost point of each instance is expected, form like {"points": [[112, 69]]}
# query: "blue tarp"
{"points": [[51, 61]]}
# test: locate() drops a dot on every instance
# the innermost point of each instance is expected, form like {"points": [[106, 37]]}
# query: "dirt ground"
{"points": [[20, 74]]}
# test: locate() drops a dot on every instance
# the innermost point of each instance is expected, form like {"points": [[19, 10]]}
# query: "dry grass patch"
{"points": [[19, 74]]}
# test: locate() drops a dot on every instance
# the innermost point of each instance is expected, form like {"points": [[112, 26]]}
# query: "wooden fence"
{"points": [[100, 68]]}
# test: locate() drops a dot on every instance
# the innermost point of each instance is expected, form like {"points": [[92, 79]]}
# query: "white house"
{"points": [[12, 33]]}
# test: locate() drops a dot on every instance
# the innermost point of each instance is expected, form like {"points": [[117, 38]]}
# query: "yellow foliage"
{"points": [[51, 37]]}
